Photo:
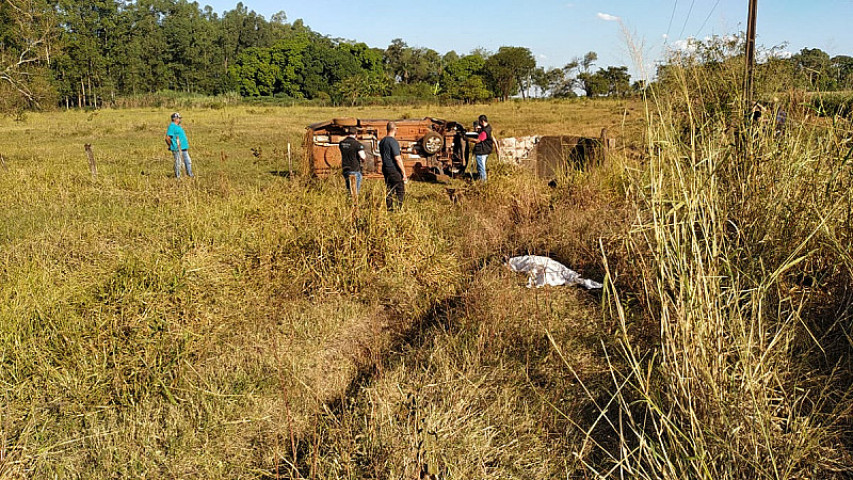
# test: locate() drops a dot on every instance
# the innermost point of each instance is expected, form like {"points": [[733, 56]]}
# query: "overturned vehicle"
{"points": [[430, 147]]}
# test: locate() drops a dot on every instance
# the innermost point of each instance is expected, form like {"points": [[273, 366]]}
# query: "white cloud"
{"points": [[607, 17], [543, 57], [570, 5]]}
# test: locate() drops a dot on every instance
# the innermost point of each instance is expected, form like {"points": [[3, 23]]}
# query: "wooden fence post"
{"points": [[289, 163], [605, 146], [93, 167]]}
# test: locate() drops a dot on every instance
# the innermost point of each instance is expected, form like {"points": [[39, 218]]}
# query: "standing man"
{"points": [[483, 146], [352, 156], [392, 169], [177, 141]]}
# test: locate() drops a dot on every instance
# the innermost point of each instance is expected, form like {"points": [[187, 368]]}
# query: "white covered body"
{"points": [[543, 271]]}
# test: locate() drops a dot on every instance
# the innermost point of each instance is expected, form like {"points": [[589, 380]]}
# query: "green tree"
{"points": [[618, 80], [463, 78], [586, 63], [241, 29], [27, 35], [325, 66], [287, 58], [328, 63], [364, 84], [813, 64], [88, 35], [474, 89], [140, 60], [508, 68], [547, 81], [593, 84], [191, 37], [397, 59], [410, 65], [842, 70], [254, 73], [612, 81], [568, 81]]}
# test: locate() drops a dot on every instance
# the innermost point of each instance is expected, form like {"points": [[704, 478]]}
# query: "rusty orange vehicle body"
{"points": [[429, 146]]}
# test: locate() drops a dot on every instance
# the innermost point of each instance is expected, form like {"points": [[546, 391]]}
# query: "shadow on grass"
{"points": [[284, 173]]}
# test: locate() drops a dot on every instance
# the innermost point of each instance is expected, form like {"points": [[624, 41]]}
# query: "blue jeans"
{"points": [[481, 166], [358, 177], [188, 163]]}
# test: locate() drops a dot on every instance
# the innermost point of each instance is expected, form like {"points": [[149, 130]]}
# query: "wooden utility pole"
{"points": [[750, 55]]}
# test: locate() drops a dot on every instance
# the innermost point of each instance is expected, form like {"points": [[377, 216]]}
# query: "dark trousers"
{"points": [[395, 190]]}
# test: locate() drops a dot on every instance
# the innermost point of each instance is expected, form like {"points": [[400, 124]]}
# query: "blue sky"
{"points": [[557, 31]]}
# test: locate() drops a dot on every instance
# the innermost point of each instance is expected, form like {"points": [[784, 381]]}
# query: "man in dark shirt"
{"points": [[393, 169], [352, 156], [483, 147]]}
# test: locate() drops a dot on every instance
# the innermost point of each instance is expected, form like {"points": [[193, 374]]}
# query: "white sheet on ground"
{"points": [[543, 271]]}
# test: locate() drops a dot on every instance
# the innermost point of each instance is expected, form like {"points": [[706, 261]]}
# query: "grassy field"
{"points": [[248, 325]]}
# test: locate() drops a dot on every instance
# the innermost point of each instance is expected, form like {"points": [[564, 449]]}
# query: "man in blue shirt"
{"points": [[177, 141]]}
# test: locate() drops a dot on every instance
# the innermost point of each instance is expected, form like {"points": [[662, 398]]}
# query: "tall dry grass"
{"points": [[742, 248]]}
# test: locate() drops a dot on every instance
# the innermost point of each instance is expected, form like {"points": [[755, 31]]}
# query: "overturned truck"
{"points": [[429, 146], [432, 147]]}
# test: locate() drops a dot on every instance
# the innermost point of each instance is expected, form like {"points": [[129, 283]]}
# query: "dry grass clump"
{"points": [[742, 243]]}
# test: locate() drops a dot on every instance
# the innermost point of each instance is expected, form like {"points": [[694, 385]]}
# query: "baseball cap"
{"points": [[176, 115]]}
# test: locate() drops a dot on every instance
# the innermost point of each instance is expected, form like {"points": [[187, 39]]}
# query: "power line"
{"points": [[684, 27], [671, 18], [708, 17]]}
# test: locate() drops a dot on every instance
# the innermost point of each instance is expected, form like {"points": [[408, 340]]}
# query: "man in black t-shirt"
{"points": [[352, 156], [393, 169]]}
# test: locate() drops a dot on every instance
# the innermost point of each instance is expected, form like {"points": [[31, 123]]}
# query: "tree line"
{"points": [[810, 69], [85, 53]]}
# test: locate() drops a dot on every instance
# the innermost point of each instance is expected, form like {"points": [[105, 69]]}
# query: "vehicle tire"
{"points": [[432, 143], [345, 122], [332, 157]]}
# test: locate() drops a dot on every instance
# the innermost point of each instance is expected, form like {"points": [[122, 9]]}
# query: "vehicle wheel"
{"points": [[332, 157], [345, 122], [432, 143]]}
